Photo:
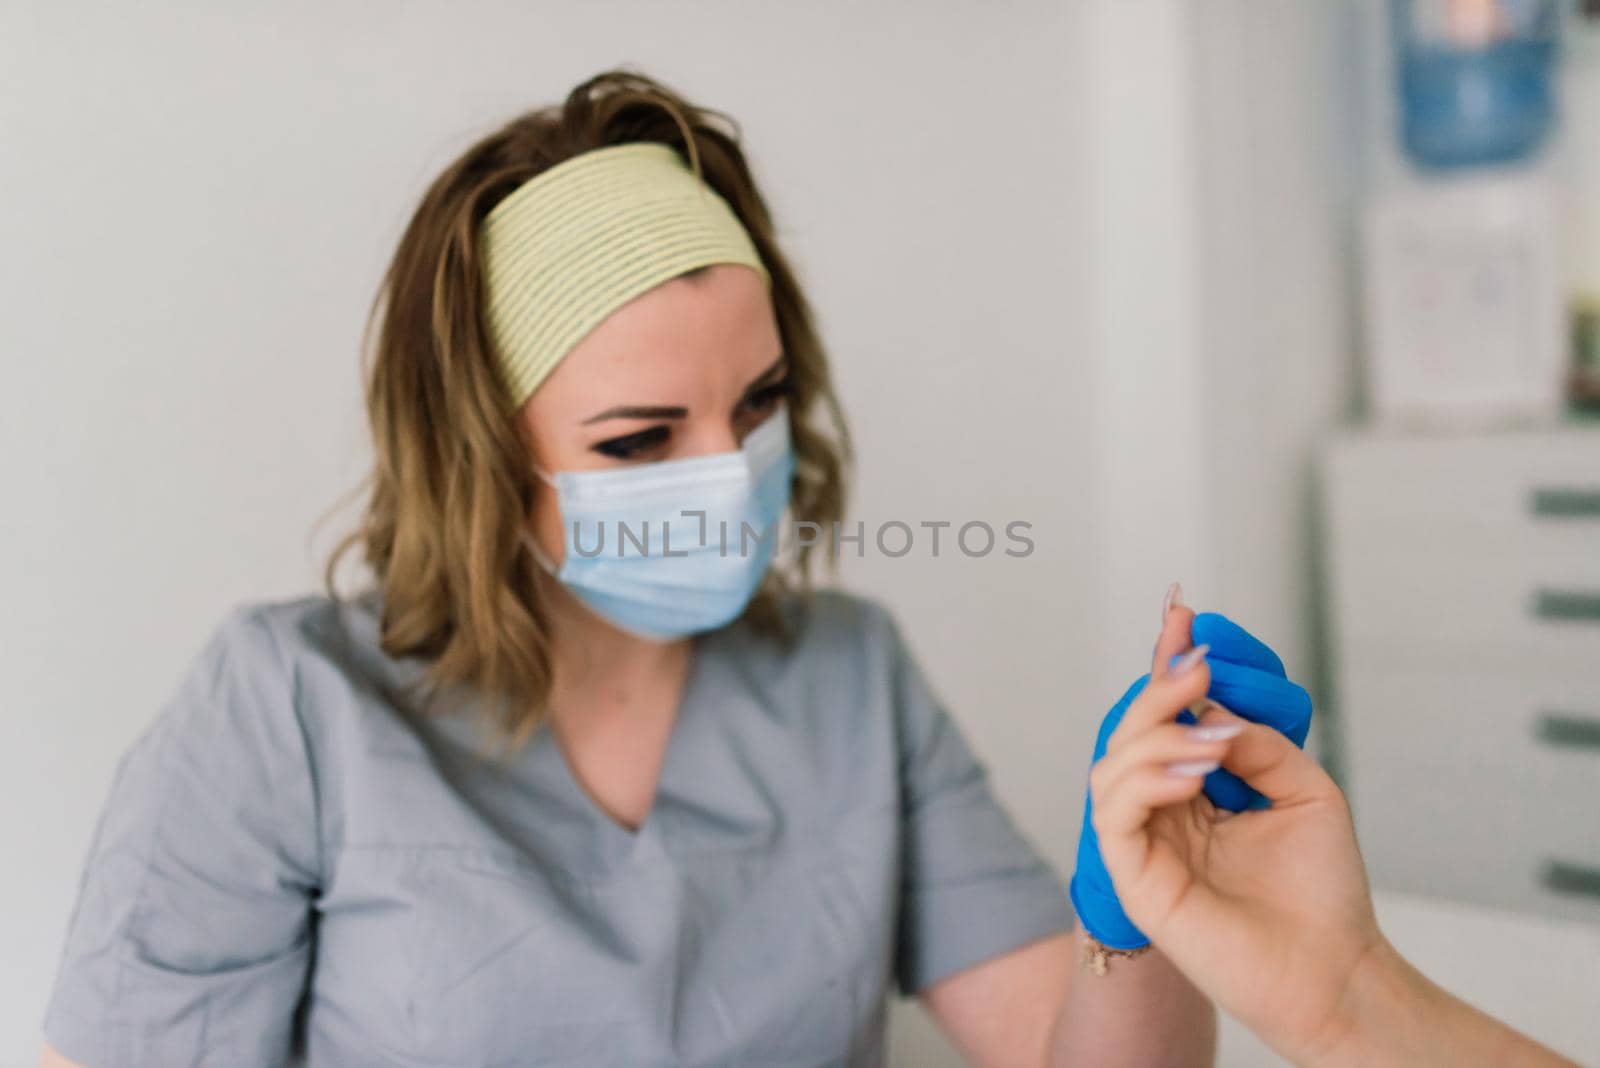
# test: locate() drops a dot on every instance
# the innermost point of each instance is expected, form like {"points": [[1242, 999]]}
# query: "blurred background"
{"points": [[1297, 303]]}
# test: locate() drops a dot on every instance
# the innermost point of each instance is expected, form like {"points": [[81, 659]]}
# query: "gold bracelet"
{"points": [[1096, 953]]}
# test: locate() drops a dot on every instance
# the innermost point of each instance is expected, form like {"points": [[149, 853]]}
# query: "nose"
{"points": [[709, 438]]}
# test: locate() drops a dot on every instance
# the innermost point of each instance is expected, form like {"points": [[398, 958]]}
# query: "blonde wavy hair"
{"points": [[452, 485]]}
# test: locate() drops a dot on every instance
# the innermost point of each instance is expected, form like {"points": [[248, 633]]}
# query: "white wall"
{"points": [[1279, 97], [1221, 216], [1001, 211]]}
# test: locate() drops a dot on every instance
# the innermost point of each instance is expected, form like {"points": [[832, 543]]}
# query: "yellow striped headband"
{"points": [[577, 241]]}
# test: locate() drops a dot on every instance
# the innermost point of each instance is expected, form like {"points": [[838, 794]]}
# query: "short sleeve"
{"points": [[190, 941], [973, 886]]}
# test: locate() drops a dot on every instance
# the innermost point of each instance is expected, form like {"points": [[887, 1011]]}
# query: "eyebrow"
{"points": [[636, 411], [631, 411]]}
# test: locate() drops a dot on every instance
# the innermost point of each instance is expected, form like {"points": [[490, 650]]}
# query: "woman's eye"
{"points": [[767, 396], [630, 446]]}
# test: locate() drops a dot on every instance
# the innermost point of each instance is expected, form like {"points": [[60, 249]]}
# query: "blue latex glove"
{"points": [[1248, 678]]}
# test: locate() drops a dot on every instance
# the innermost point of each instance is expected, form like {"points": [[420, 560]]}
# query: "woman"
{"points": [[346, 838]]}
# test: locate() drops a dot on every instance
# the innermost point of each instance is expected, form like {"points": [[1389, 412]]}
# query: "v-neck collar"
{"points": [[615, 843]]}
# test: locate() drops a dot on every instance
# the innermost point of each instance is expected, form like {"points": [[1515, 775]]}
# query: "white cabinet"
{"points": [[1464, 582]]}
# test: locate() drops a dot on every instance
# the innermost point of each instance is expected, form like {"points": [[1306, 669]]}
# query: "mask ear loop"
{"points": [[530, 542]]}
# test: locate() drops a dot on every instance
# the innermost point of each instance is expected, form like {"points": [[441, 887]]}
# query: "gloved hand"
{"points": [[1248, 679]]}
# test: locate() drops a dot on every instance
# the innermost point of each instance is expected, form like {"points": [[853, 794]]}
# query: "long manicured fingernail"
{"points": [[1188, 660], [1193, 767], [1214, 732], [1174, 599]]}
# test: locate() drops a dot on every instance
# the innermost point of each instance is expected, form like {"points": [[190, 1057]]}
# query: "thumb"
{"points": [[1263, 757]]}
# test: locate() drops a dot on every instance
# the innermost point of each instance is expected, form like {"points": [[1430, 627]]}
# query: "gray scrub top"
{"points": [[294, 865]]}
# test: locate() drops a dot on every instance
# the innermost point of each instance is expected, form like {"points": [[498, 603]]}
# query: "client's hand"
{"points": [[1245, 675], [1268, 911]]}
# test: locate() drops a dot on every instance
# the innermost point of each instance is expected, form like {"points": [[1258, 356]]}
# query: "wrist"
{"points": [[1095, 956], [1382, 1011]]}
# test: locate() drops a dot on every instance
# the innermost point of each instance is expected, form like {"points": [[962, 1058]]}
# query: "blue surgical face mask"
{"points": [[673, 548]]}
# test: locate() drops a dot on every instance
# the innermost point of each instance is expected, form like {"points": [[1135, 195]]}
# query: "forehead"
{"points": [[685, 338]]}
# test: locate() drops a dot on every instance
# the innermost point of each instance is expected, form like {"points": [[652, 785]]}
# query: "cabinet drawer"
{"points": [[1468, 481], [1475, 785], [1524, 599], [1486, 549]]}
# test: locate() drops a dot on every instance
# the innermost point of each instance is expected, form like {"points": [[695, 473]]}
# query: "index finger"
{"points": [[1176, 623], [1162, 699]]}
